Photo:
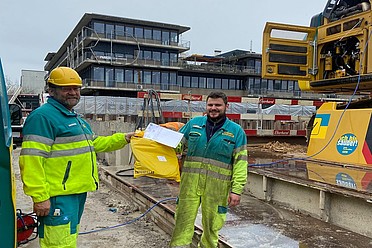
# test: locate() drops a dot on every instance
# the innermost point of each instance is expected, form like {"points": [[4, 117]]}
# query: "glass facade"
{"points": [[154, 62]]}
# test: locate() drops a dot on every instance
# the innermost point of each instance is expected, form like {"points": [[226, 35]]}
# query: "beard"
{"points": [[221, 115]]}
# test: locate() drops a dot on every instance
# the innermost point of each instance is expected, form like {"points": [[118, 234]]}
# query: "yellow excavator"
{"points": [[333, 56]]}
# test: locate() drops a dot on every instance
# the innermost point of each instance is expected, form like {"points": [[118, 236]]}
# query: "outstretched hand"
{"points": [[128, 136]]}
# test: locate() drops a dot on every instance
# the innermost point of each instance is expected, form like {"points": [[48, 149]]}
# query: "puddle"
{"points": [[256, 235]]}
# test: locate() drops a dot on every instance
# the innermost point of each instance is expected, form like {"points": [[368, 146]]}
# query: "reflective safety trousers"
{"points": [[58, 155], [210, 172]]}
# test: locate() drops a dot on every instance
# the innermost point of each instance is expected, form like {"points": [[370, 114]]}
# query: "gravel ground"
{"points": [[104, 208]]}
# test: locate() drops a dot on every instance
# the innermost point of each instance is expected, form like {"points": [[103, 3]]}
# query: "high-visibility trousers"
{"points": [[213, 219], [60, 228]]}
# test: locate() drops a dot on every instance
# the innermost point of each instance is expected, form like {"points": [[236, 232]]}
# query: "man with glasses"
{"points": [[58, 160]]}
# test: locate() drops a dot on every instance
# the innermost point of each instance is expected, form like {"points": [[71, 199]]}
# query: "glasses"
{"points": [[70, 88]]}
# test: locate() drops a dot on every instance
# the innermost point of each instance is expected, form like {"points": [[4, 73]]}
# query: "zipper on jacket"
{"points": [[67, 173], [91, 152]]}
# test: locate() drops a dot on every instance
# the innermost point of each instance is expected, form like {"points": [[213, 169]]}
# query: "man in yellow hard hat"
{"points": [[58, 160]]}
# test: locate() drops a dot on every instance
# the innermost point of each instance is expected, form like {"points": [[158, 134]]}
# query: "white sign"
{"points": [[162, 135]]}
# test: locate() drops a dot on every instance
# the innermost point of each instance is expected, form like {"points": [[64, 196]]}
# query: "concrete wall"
{"points": [[347, 209], [105, 128]]}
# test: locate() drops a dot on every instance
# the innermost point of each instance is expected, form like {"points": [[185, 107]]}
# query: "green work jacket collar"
{"points": [[61, 108]]}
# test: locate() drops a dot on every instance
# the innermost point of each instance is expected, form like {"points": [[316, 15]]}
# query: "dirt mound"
{"points": [[276, 148]]}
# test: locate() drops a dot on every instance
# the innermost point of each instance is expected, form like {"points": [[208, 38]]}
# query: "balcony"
{"points": [[221, 68], [129, 86]]}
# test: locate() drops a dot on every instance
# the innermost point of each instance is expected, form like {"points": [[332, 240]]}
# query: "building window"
{"points": [[148, 34], [172, 78], [296, 87], [164, 80], [270, 84], [217, 83], [139, 54], [179, 80], [147, 55], [225, 84], [250, 83], [109, 82], [194, 82], [186, 81], [110, 31], [99, 27], [119, 75], [258, 66], [156, 56], [257, 83], [277, 85], [137, 78], [233, 84], [165, 59], [165, 38], [119, 30], [156, 34], [129, 31], [203, 82], [264, 84], [210, 83], [138, 32], [173, 58], [99, 74], [290, 85], [284, 85], [147, 77], [129, 75], [174, 37], [156, 77]]}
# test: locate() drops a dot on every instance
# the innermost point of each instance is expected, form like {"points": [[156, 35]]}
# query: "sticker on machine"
{"points": [[347, 144]]}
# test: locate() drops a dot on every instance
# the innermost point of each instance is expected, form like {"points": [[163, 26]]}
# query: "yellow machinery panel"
{"points": [[340, 136], [288, 52]]}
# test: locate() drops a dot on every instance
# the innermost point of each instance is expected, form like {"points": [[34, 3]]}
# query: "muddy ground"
{"points": [[104, 209], [107, 208]]}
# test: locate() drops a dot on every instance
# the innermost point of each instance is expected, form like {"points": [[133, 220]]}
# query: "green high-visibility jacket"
{"points": [[58, 155], [216, 166]]}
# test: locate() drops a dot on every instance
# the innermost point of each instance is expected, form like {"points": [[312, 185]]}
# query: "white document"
{"points": [[162, 135]]}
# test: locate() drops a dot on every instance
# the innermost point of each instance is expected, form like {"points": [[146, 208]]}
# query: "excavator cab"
{"points": [[333, 55]]}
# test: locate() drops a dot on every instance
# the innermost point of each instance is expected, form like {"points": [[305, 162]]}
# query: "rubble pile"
{"points": [[283, 147]]}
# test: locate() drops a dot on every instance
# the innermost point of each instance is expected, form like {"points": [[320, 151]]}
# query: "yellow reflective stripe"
{"points": [[34, 152], [38, 139], [209, 161], [207, 173], [71, 152], [240, 148], [242, 157], [71, 139], [74, 145], [36, 145]]}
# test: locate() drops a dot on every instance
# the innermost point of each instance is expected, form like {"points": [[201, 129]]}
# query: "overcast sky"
{"points": [[31, 29]]}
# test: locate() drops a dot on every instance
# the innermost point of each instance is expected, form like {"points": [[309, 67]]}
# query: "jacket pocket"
{"points": [[192, 143], [226, 148], [67, 173]]}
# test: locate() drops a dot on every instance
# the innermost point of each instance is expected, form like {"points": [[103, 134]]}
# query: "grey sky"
{"points": [[31, 29]]}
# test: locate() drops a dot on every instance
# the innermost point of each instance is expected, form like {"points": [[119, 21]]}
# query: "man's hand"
{"points": [[128, 136], [42, 208], [233, 200]]}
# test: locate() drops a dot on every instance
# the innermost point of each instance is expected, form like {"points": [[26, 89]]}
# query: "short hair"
{"points": [[217, 94]]}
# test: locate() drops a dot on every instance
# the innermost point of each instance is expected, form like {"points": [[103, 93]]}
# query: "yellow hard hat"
{"points": [[64, 76]]}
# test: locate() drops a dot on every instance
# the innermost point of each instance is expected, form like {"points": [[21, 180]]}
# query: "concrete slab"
{"points": [[254, 223]]}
